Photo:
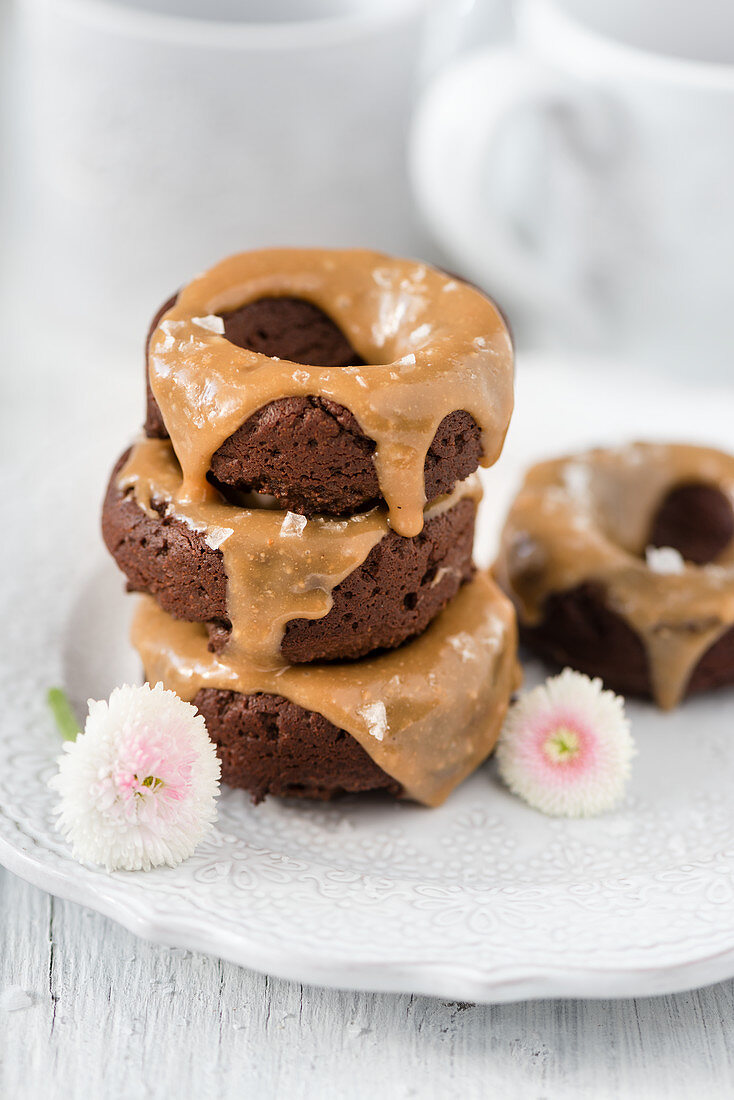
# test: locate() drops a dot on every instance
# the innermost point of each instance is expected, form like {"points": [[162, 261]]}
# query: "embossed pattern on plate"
{"points": [[481, 899]]}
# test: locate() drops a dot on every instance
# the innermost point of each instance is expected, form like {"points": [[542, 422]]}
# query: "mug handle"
{"points": [[457, 126]]}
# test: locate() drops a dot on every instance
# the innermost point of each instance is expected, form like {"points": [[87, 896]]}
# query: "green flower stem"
{"points": [[64, 716]]}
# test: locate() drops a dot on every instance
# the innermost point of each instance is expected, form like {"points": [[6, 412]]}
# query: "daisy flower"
{"points": [[138, 787], [566, 747]]}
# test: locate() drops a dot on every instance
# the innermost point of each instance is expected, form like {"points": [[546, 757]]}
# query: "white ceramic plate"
{"points": [[483, 899]]}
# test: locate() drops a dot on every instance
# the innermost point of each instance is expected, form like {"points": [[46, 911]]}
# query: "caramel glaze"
{"points": [[279, 566], [431, 344], [427, 713], [589, 517]]}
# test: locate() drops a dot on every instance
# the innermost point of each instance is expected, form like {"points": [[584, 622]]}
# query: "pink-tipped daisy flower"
{"points": [[138, 787], [566, 747]]}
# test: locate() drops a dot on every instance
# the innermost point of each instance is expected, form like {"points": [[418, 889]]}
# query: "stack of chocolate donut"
{"points": [[299, 516]]}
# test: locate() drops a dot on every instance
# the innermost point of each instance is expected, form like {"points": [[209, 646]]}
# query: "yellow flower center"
{"points": [[151, 781], [562, 746]]}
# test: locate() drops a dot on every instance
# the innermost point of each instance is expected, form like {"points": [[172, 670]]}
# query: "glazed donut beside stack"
{"points": [[359, 393], [620, 563]]}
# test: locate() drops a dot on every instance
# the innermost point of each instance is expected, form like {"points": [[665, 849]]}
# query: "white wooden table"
{"points": [[113, 1016]]}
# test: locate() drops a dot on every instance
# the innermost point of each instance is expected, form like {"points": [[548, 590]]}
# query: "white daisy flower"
{"points": [[138, 787], [566, 747]]}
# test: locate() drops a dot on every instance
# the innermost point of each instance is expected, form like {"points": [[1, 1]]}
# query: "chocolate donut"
{"points": [[580, 630], [621, 564], [312, 452], [309, 452], [269, 746], [413, 721], [392, 595]]}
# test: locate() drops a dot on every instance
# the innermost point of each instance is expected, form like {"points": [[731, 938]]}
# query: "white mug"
{"points": [[163, 134], [586, 176]]}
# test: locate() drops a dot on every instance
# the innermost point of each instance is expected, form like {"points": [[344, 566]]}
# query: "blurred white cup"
{"points": [[586, 176], [162, 134]]}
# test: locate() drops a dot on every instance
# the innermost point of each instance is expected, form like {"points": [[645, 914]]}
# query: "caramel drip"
{"points": [[587, 519], [433, 345], [427, 713], [279, 566]]}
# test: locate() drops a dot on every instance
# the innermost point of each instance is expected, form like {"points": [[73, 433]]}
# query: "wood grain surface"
{"points": [[111, 1016]]}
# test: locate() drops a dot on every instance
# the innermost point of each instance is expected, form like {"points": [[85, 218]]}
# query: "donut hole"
{"points": [[697, 520], [292, 329]]}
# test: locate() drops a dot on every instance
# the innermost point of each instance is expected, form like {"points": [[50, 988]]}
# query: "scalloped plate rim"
{"points": [[429, 977]]}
